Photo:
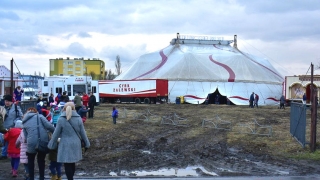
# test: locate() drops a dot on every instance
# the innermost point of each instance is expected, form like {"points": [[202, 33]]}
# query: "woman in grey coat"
{"points": [[69, 130], [30, 130]]}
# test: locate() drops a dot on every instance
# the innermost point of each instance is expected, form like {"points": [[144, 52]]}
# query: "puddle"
{"points": [[189, 171]]}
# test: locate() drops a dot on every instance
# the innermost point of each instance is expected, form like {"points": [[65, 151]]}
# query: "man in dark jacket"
{"points": [[251, 100], [282, 101], [92, 103]]}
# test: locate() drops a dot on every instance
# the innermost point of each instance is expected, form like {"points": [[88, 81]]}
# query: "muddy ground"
{"points": [[146, 142]]}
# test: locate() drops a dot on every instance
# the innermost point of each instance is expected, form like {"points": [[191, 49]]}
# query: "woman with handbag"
{"points": [[35, 129], [69, 148]]}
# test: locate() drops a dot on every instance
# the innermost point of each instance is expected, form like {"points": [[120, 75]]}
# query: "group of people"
{"points": [[23, 135], [253, 100]]}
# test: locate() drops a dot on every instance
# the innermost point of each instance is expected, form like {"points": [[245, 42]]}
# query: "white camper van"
{"points": [[69, 84]]}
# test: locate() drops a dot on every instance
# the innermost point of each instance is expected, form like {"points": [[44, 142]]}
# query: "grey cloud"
{"points": [[38, 5], [84, 35], [275, 6], [127, 54], [40, 50], [9, 15], [2, 46], [78, 49], [17, 38]]}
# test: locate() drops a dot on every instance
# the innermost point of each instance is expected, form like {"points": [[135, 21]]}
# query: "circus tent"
{"points": [[199, 66]]}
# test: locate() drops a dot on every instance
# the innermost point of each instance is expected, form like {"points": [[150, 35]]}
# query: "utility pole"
{"points": [[11, 78], [314, 104]]}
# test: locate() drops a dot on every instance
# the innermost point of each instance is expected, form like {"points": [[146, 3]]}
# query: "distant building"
{"points": [[30, 81], [5, 81], [296, 86], [78, 67]]}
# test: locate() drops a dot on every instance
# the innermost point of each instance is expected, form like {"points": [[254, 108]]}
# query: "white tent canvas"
{"points": [[198, 67]]}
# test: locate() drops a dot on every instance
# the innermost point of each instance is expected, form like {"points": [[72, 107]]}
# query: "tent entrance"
{"points": [[222, 99]]}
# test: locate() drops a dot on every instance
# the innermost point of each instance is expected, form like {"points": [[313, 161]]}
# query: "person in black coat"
{"points": [[251, 100], [51, 99], [92, 103]]}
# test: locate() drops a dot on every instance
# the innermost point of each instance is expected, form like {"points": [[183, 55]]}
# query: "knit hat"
{"points": [[8, 98], [18, 124]]}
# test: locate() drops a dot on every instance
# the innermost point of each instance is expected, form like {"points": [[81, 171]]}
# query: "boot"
{"points": [[14, 173], [59, 178], [54, 177]]}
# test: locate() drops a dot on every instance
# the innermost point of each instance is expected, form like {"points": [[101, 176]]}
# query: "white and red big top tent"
{"points": [[198, 66]]}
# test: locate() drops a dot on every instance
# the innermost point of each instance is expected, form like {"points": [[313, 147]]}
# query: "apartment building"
{"points": [[78, 67]]}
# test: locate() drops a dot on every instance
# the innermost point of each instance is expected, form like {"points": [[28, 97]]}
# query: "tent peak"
{"points": [[196, 39]]}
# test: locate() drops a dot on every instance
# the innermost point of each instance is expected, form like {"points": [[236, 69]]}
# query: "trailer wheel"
{"points": [[137, 101], [146, 100]]}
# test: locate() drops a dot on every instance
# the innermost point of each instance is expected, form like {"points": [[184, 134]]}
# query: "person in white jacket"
{"points": [[21, 143]]}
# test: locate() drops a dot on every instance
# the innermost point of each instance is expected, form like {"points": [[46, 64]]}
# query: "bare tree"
{"points": [[39, 73], [118, 65], [44, 74], [110, 75], [35, 73], [93, 75]]}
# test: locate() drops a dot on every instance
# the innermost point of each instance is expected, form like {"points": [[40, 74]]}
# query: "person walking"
{"points": [[282, 101], [77, 101], [51, 99], [3, 130], [22, 145], [92, 103], [13, 152], [55, 167], [71, 131], [13, 113], [85, 99], [18, 91], [65, 97], [304, 98], [114, 115], [256, 100], [251, 100], [56, 112], [35, 128], [3, 113], [83, 113], [217, 99]]}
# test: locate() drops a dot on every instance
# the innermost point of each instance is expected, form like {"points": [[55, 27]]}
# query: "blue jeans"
{"points": [[114, 120], [5, 144], [55, 168], [26, 169], [15, 163]]}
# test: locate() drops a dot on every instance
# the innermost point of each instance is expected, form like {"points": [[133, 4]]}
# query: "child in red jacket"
{"points": [[11, 136]]}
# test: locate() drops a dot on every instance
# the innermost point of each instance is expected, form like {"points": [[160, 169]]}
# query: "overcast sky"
{"points": [[286, 32]]}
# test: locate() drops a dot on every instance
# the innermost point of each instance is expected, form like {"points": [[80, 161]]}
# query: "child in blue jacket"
{"points": [[114, 115]]}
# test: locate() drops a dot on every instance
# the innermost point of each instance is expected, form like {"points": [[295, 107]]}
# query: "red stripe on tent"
{"points": [[232, 75], [251, 60], [192, 96], [274, 99], [239, 97], [163, 61]]}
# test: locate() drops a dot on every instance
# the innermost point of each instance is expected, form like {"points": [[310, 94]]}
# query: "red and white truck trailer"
{"points": [[134, 91]]}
